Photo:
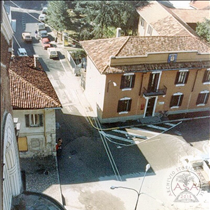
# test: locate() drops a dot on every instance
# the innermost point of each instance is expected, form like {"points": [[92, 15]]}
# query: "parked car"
{"points": [[52, 52], [22, 52], [40, 26], [44, 10], [27, 36], [42, 17], [46, 43], [42, 34]]}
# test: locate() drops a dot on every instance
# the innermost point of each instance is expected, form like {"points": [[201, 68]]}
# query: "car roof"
{"points": [[45, 39], [43, 31], [42, 15], [52, 49], [40, 24], [22, 50]]}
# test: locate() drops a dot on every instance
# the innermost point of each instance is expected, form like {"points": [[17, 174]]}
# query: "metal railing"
{"points": [[156, 92]]}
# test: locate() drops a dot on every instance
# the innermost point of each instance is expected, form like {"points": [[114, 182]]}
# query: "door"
{"points": [[150, 107], [153, 82]]}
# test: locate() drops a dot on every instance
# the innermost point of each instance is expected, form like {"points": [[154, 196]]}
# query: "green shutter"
{"points": [[27, 120]]}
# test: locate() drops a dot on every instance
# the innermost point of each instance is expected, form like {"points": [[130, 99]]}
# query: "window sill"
{"points": [[124, 89], [123, 112], [174, 107], [201, 104], [206, 83], [180, 85]]}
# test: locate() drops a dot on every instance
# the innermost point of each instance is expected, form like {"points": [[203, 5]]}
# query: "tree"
{"points": [[203, 29], [104, 16], [57, 15]]}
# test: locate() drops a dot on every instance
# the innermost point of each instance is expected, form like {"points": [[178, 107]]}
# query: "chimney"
{"points": [[36, 58], [118, 34]]}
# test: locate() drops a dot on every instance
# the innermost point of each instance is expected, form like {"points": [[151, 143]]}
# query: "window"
{"points": [[181, 77], [172, 58], [206, 77], [149, 30], [127, 81], [124, 105], [142, 22], [203, 97], [176, 100], [34, 120]]}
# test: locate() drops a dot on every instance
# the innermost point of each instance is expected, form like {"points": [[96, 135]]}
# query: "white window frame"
{"points": [[142, 21], [128, 74], [207, 83], [182, 84], [149, 30], [202, 92], [176, 94], [124, 99]]}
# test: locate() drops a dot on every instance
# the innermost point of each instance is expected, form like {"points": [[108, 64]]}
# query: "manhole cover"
{"points": [[73, 152]]}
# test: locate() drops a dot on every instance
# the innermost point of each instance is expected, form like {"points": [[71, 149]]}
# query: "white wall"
{"points": [[94, 87], [41, 140]]}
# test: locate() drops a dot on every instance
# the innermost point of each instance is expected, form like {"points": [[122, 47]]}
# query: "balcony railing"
{"points": [[157, 92]]}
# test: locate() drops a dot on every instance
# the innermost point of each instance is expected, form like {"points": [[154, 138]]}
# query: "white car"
{"points": [[52, 52], [42, 17], [26, 36], [22, 52], [44, 10]]}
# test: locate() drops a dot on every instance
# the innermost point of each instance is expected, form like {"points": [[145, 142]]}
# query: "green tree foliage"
{"points": [[103, 16], [203, 29], [57, 15]]}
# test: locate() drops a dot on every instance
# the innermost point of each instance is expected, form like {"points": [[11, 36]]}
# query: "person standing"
{"points": [[59, 146]]}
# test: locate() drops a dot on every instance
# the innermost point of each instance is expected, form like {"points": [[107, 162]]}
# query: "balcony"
{"points": [[156, 92]]}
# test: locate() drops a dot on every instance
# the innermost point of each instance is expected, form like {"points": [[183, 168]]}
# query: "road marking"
{"points": [[115, 137], [157, 127], [130, 133], [170, 124]]}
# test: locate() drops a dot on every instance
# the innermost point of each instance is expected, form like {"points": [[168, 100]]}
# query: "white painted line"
{"points": [[115, 137], [143, 130], [170, 124], [129, 133], [157, 127]]}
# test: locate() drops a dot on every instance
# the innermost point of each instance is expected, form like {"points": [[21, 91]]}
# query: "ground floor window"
{"points": [[34, 120], [176, 100], [202, 98], [124, 105]]}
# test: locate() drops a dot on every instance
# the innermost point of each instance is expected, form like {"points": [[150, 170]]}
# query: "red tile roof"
{"points": [[30, 88], [162, 21], [99, 51], [191, 15], [200, 4]]}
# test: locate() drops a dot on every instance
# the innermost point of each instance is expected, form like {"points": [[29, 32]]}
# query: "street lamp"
{"points": [[114, 83], [138, 192]]}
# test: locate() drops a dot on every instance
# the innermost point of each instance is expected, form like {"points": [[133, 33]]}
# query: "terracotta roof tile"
{"points": [[191, 15], [99, 51], [30, 88], [163, 22], [200, 4]]}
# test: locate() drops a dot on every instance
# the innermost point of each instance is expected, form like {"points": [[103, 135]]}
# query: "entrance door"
{"points": [[153, 82], [150, 106]]}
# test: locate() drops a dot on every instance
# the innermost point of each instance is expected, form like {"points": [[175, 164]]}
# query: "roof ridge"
{"points": [[31, 85]]}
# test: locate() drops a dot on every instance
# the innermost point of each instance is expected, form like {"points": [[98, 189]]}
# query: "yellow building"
{"points": [[129, 78]]}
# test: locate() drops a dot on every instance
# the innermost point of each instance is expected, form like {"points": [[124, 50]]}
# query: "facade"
{"points": [[129, 78], [10, 176], [34, 102]]}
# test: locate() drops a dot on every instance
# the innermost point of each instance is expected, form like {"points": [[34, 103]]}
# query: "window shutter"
{"points": [[40, 119], [177, 78], [198, 99], [122, 82], [181, 99], [119, 106], [172, 101], [133, 81], [207, 98], [129, 105], [27, 120], [205, 76], [187, 75]]}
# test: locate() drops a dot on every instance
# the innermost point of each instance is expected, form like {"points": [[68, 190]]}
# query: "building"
{"points": [[34, 101], [130, 78], [10, 176], [155, 19]]}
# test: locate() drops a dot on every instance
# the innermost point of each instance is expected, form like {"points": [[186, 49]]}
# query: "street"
{"points": [[94, 158]]}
